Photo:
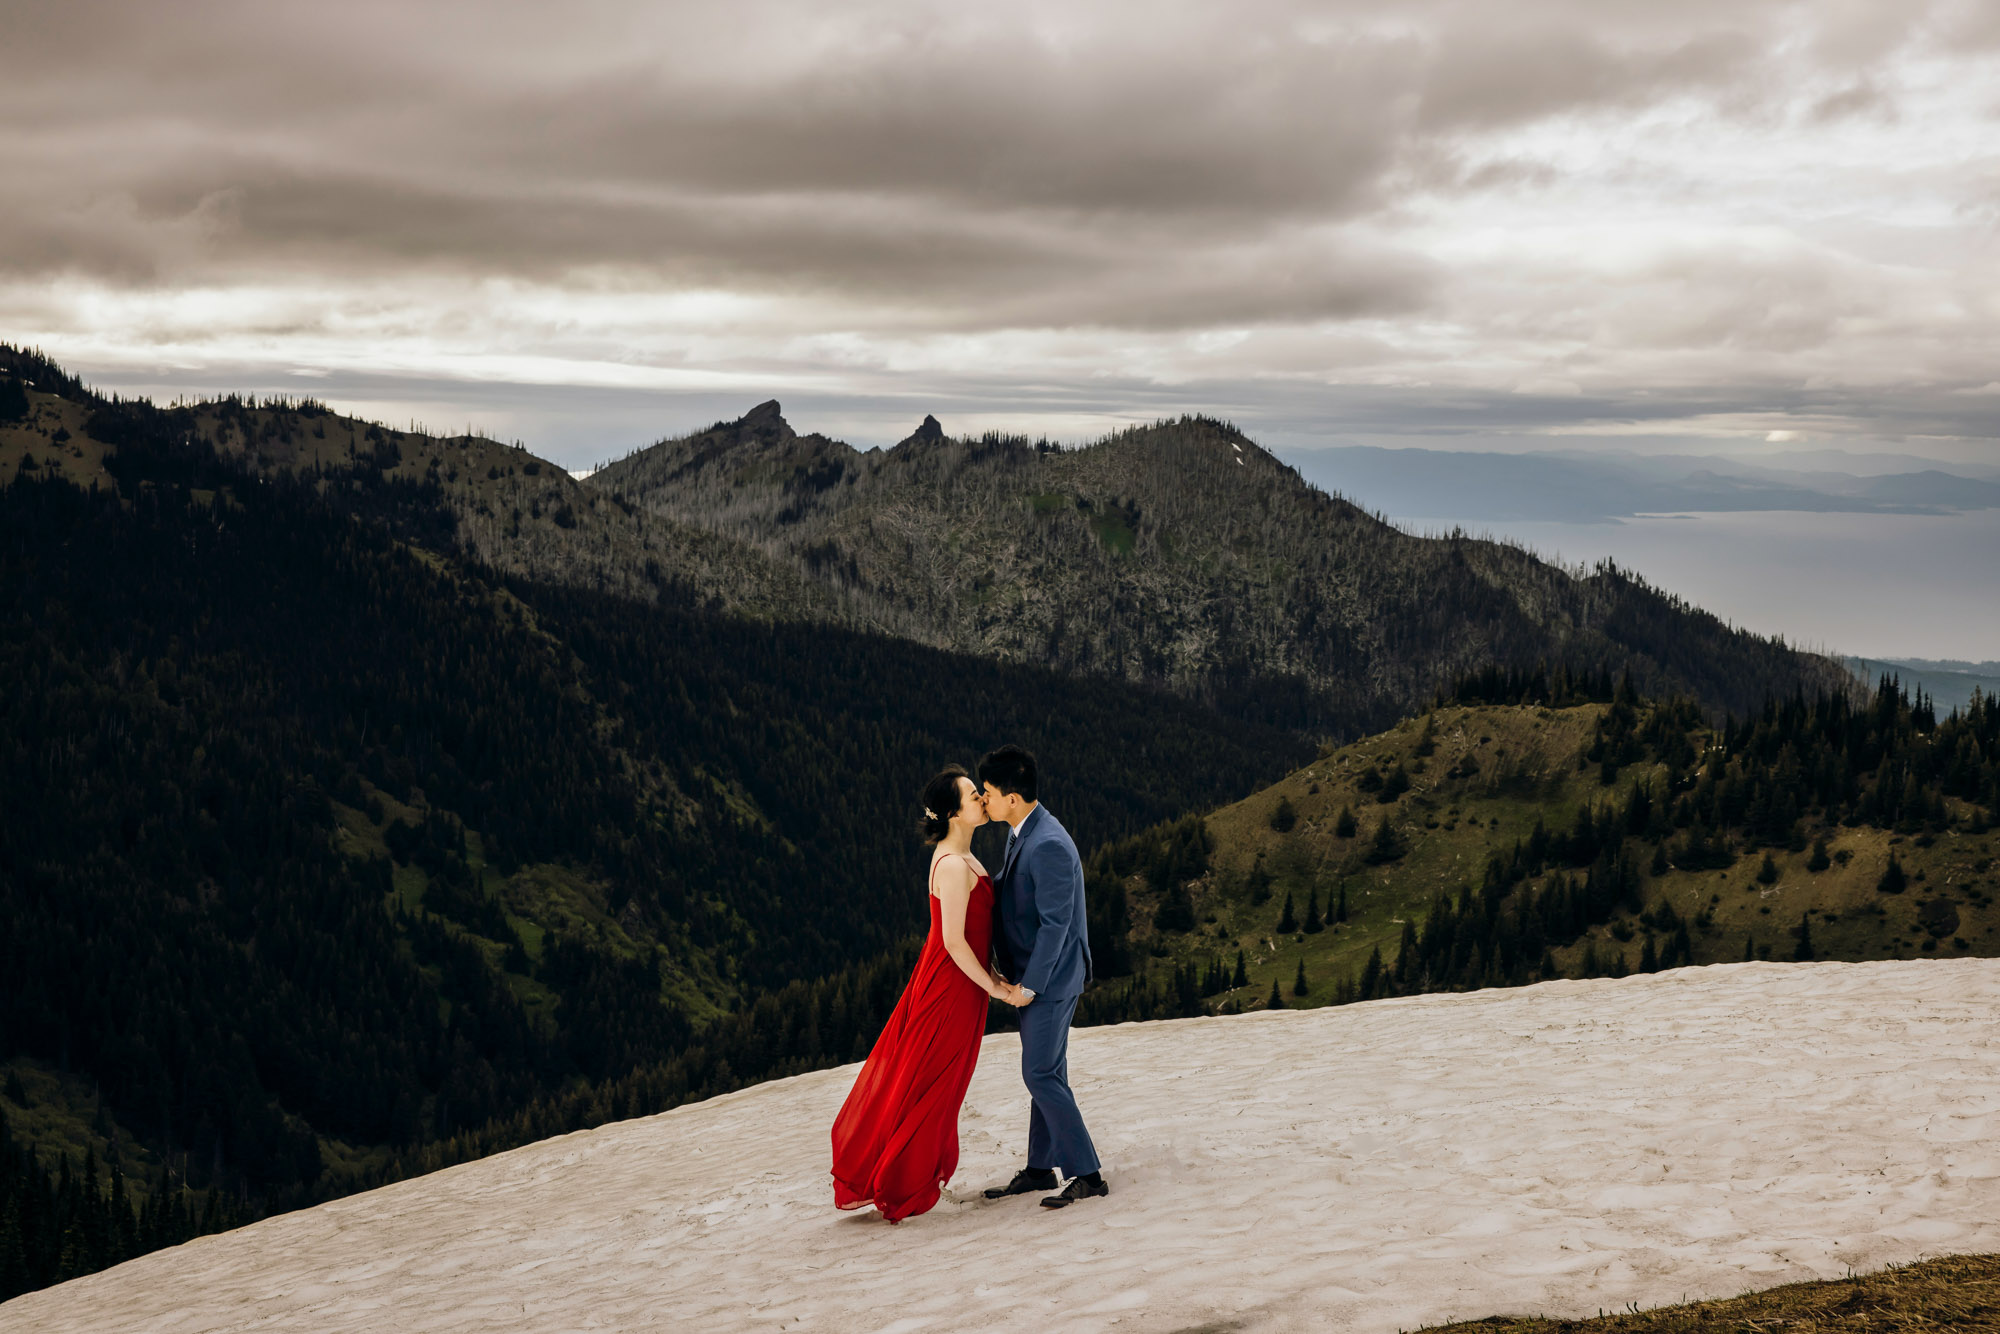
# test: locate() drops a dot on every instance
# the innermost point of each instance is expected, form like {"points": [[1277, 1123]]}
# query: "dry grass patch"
{"points": [[1960, 1292]]}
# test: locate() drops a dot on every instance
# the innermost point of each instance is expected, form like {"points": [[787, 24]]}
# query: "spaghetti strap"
{"points": [[930, 888]]}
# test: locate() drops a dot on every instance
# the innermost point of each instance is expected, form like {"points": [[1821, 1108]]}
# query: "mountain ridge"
{"points": [[1181, 554]]}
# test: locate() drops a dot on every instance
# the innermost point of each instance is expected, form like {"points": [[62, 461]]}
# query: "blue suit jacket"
{"points": [[1044, 935]]}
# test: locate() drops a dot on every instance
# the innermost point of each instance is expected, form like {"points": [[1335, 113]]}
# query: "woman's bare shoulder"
{"points": [[950, 871]]}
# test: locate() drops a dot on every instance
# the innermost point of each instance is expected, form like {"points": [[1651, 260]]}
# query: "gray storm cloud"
{"points": [[1743, 202]]}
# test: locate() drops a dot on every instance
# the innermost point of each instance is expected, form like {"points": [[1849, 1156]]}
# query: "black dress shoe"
{"points": [[1079, 1188], [1025, 1180]]}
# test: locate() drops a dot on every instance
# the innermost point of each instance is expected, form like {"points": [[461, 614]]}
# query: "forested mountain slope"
{"points": [[1538, 827], [490, 502], [1181, 554], [326, 846]]}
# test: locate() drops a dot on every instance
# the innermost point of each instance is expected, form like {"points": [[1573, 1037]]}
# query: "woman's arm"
{"points": [[954, 891]]}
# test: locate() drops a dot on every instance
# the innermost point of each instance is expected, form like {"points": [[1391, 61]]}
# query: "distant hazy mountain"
{"points": [[1948, 682], [1432, 483], [1181, 554]]}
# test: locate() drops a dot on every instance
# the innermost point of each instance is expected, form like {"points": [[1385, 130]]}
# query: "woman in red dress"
{"points": [[895, 1142]]}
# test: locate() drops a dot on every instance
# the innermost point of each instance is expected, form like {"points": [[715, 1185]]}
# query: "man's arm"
{"points": [[1052, 871]]}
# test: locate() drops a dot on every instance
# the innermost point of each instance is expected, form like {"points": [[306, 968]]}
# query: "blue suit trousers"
{"points": [[1056, 1134]]}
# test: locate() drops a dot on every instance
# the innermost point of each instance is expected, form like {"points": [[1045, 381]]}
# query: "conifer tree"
{"points": [[1406, 955], [1819, 861], [1277, 1002], [1893, 880], [1619, 968], [1385, 846], [1313, 924], [1259, 883], [1284, 815], [1299, 987], [1340, 913], [1371, 975], [1749, 948], [1660, 864], [1649, 958], [1176, 911], [1345, 826], [1767, 873], [1394, 785], [1288, 921], [1242, 978], [13, 400], [1805, 949], [1590, 965]]}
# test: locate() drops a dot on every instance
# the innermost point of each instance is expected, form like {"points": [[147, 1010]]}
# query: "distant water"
{"points": [[1876, 585]]}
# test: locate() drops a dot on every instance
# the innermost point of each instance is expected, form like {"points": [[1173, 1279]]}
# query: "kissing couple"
{"points": [[895, 1142]]}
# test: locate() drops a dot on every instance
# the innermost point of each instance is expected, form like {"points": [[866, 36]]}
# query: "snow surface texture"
{"points": [[1551, 1149]]}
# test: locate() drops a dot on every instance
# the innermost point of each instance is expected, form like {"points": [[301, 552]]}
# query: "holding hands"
{"points": [[1012, 994]]}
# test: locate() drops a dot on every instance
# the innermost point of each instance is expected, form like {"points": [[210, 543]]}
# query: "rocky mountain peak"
{"points": [[928, 432], [765, 418]]}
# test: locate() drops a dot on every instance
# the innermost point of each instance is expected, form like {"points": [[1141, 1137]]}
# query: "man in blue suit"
{"points": [[1043, 943]]}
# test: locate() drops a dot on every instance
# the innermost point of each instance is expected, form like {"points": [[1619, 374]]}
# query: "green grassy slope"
{"points": [[1493, 772]]}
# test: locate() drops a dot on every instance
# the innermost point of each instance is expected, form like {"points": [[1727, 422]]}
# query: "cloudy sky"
{"points": [[1613, 223]]}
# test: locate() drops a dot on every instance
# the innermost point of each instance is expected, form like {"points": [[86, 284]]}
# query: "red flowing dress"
{"points": [[895, 1142]]}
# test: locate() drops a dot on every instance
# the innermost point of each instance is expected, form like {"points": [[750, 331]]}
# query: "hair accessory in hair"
{"points": [[929, 814]]}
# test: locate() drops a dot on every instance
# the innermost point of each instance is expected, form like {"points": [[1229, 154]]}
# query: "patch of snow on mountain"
{"points": [[1553, 1149]]}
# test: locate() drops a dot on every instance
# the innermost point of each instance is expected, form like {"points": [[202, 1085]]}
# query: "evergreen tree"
{"points": [[1819, 861], [1313, 924], [1805, 949], [1299, 987], [1619, 968], [1385, 846], [1284, 816], [1767, 873], [1340, 912], [1660, 864], [1406, 956], [13, 400], [1345, 826], [1259, 883], [1277, 1002], [1649, 959], [1394, 785], [1242, 978], [1590, 965], [1288, 921], [1893, 880], [1749, 948], [1176, 911], [1372, 975]]}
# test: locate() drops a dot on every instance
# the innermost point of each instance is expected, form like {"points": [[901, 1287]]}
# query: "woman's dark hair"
{"points": [[941, 802], [1011, 769]]}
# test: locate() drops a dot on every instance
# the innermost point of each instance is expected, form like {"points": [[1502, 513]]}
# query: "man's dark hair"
{"points": [[1011, 769]]}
